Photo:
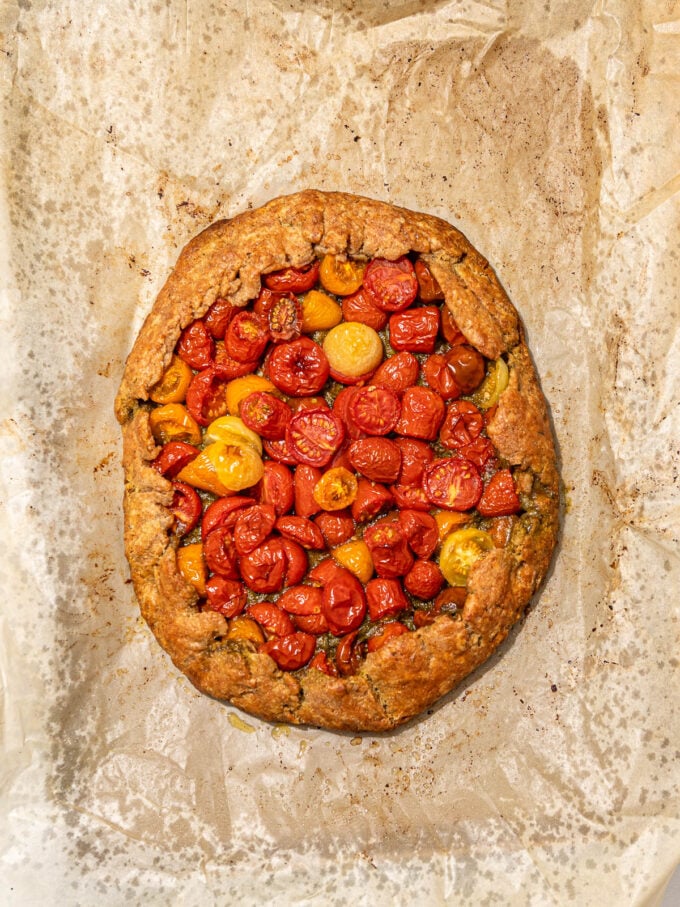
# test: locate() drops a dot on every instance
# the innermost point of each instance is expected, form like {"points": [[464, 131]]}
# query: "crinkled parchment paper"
{"points": [[549, 133]]}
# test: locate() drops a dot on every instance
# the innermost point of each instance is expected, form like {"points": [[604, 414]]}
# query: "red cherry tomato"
{"points": [[341, 458], [186, 508], [265, 414], [220, 552], [247, 336], [206, 396], [290, 652], [467, 366], [358, 307], [173, 457], [391, 285], [314, 436], [428, 288], [463, 423], [276, 487], [321, 663], [227, 596], [422, 532], [296, 562], [450, 330], [371, 499], [411, 497], [223, 512], [415, 456], [265, 300], [272, 619], [389, 631], [227, 368], [195, 346], [375, 410], [344, 603], [305, 481], [252, 527], [281, 451], [300, 403], [285, 318], [379, 459], [341, 406], [218, 316], [347, 656], [389, 549], [315, 624], [398, 372], [302, 600], [336, 526], [298, 368], [440, 377], [352, 380], [453, 483], [293, 280], [422, 413], [415, 330], [325, 572], [480, 452], [500, 496], [424, 580], [301, 530], [264, 569], [385, 598]]}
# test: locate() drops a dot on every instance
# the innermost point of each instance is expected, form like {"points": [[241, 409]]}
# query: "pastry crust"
{"points": [[408, 674]]}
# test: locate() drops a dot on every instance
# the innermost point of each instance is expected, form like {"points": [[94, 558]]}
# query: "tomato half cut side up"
{"points": [[314, 436], [186, 508], [375, 410], [453, 483]]}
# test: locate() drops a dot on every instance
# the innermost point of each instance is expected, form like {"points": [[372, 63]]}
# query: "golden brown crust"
{"points": [[410, 672]]}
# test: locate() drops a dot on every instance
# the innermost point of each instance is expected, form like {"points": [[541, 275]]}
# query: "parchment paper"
{"points": [[549, 133]]}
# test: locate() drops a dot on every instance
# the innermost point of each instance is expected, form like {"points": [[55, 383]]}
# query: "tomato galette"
{"points": [[341, 487]]}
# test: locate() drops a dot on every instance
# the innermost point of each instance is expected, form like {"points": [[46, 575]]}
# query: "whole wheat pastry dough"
{"points": [[402, 678]]}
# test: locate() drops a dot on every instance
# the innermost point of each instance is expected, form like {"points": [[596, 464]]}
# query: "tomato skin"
{"points": [[336, 526], [297, 404], [453, 483], [293, 280], [264, 569], [358, 307], [341, 406], [416, 330], [375, 410], [306, 478], [411, 497], [391, 285], [195, 345], [301, 600], [285, 318], [272, 619], [500, 496], [223, 512], [218, 316], [173, 457], [424, 580], [186, 507], [370, 500], [389, 631], [422, 413], [227, 596], [290, 652], [347, 656], [389, 549], [450, 330], [266, 414], [296, 562], [385, 598], [415, 457], [247, 336], [220, 552], [467, 366], [299, 368], [428, 287], [315, 624], [253, 525], [301, 530], [422, 532], [480, 452], [276, 487], [314, 436], [227, 368], [440, 377], [378, 459], [463, 423], [325, 572], [398, 372], [344, 603], [206, 396]]}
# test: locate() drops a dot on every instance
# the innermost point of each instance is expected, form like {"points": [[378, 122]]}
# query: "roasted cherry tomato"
{"points": [[293, 280], [415, 330], [232, 430], [290, 652], [242, 627], [371, 499], [321, 663], [391, 285], [227, 368], [347, 655], [220, 552], [281, 451], [385, 598], [195, 345], [344, 603], [410, 497], [173, 386], [355, 557], [192, 567], [300, 403], [341, 458], [375, 410], [501, 528], [480, 452], [389, 549], [253, 525], [358, 307], [500, 495], [448, 520], [336, 527], [285, 318], [398, 372], [453, 483], [415, 457], [342, 277], [299, 368], [315, 624], [301, 530], [173, 422], [319, 312], [379, 459], [314, 436], [354, 350], [296, 562], [237, 466], [173, 457], [424, 580], [207, 396], [304, 482], [247, 336], [463, 423], [186, 508], [264, 569], [387, 632], [223, 512], [336, 489], [325, 572], [422, 532], [272, 619], [301, 600], [440, 377], [228, 596], [450, 330], [488, 393], [460, 551], [422, 413], [276, 487], [266, 414], [341, 406], [201, 473], [467, 366], [428, 288], [218, 316]]}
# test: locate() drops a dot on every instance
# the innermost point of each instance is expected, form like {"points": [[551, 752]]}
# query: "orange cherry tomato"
{"points": [[319, 312], [391, 285], [173, 386], [342, 277], [242, 627], [500, 496], [428, 287], [336, 489], [422, 413], [385, 598], [453, 483], [389, 631], [356, 557], [173, 422], [290, 652], [196, 346], [192, 567], [293, 280]]}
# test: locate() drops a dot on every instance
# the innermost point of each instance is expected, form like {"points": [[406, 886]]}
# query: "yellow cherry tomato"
{"points": [[353, 349], [336, 489], [238, 466], [319, 312], [448, 520], [201, 473], [238, 389], [460, 550], [243, 627], [341, 277], [356, 557], [493, 385], [191, 565], [232, 430], [174, 422], [172, 388]]}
